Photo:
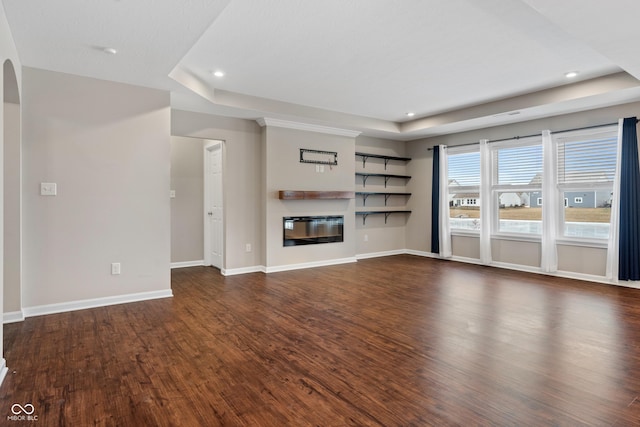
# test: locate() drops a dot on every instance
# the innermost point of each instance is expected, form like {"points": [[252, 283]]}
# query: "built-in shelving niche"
{"points": [[386, 177]]}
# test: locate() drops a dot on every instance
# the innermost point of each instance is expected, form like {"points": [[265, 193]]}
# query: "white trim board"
{"points": [[3, 369], [41, 310], [12, 317], [302, 265], [516, 267], [422, 253], [242, 270], [381, 254], [183, 264]]}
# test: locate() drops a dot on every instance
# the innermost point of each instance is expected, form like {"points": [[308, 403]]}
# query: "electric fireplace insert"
{"points": [[311, 230]]}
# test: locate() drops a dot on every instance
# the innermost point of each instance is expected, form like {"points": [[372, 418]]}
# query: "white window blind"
{"points": [[517, 186], [519, 165], [464, 168], [586, 169], [587, 159]]}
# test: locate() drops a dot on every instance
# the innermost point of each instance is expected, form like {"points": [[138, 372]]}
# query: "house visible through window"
{"points": [[586, 168], [464, 188], [517, 186]]}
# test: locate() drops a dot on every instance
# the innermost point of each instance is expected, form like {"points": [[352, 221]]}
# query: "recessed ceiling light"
{"points": [[218, 73], [410, 114], [110, 50], [571, 74]]}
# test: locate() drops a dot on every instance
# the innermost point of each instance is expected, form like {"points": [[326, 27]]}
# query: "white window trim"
{"points": [[558, 193]]}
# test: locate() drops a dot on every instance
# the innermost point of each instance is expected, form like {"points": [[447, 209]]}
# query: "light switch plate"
{"points": [[48, 189]]}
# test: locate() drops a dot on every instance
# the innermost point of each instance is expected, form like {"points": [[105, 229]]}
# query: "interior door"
{"points": [[214, 207]]}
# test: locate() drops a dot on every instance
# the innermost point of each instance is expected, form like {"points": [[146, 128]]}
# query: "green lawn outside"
{"points": [[535, 214]]}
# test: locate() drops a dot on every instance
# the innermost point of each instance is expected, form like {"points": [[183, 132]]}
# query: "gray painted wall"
{"points": [[8, 51], [242, 178], [187, 180], [374, 236], [107, 147], [283, 171]]}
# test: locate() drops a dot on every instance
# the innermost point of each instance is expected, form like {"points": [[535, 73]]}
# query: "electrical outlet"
{"points": [[115, 268], [366, 237], [247, 247], [48, 189]]}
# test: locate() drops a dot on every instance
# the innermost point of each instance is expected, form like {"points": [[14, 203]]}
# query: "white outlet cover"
{"points": [[172, 194], [115, 268], [48, 189]]}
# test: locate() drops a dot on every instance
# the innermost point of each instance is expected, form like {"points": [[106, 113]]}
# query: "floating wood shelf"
{"points": [[386, 159], [386, 214], [314, 195], [365, 195], [386, 177]]}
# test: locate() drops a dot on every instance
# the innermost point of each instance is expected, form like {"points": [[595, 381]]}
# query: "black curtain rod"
{"points": [[537, 134]]}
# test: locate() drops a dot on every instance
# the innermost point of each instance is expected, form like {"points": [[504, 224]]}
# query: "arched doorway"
{"points": [[12, 165]]}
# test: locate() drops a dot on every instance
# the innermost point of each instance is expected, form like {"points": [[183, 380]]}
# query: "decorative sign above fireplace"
{"points": [[311, 230], [318, 157]]}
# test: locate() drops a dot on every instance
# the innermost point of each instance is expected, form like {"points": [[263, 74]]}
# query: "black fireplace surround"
{"points": [[311, 230]]}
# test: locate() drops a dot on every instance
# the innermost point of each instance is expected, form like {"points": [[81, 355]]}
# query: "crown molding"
{"points": [[267, 121]]}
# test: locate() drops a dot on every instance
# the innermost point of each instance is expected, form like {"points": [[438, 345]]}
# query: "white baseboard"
{"points": [[596, 279], [3, 369], [381, 254], [532, 269], [310, 264], [467, 260], [537, 270], [421, 253], [242, 270], [13, 317], [184, 264], [93, 303]]}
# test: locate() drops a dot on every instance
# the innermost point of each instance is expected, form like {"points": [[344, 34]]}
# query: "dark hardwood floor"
{"points": [[396, 341]]}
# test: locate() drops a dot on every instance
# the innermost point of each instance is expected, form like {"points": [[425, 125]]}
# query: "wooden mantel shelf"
{"points": [[314, 195]]}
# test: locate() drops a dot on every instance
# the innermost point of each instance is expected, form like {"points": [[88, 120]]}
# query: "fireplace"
{"points": [[311, 230]]}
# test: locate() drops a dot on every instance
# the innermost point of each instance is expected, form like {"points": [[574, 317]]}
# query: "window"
{"points": [[579, 180], [517, 186], [464, 188], [586, 168]]}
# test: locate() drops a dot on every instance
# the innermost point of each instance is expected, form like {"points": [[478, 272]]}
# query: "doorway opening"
{"points": [[11, 283], [12, 262]]}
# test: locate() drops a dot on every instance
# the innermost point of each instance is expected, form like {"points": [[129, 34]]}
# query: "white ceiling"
{"points": [[356, 64]]}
